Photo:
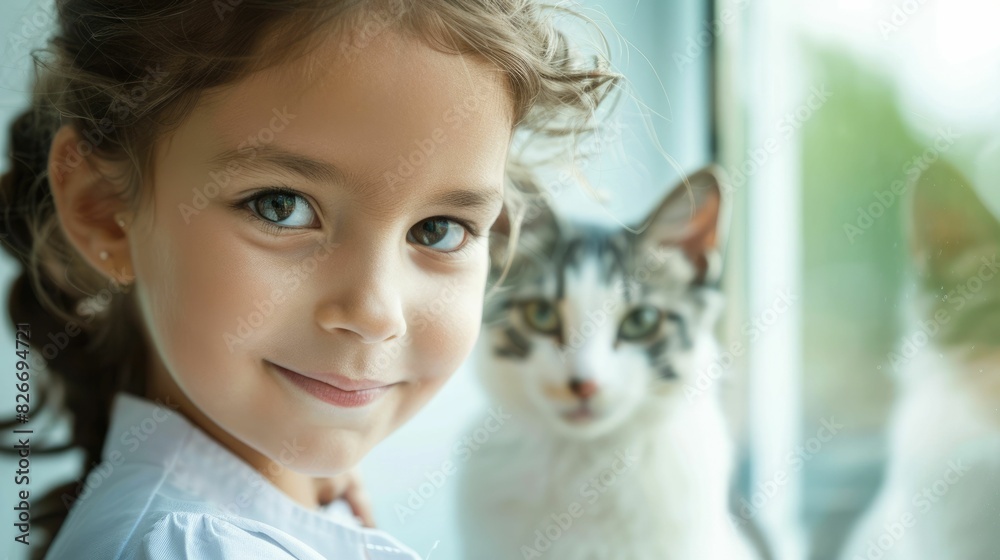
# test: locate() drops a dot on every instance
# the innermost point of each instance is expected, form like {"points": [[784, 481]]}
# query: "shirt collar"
{"points": [[143, 431]]}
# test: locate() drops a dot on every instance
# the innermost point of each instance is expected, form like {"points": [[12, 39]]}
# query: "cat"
{"points": [[586, 350], [940, 495]]}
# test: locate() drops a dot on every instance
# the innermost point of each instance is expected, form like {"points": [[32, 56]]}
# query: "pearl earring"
{"points": [[121, 223], [104, 255]]}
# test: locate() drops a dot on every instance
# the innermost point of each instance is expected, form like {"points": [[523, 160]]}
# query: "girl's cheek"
{"points": [[197, 290], [458, 328]]}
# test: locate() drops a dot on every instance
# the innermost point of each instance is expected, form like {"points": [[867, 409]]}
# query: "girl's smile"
{"points": [[337, 389]]}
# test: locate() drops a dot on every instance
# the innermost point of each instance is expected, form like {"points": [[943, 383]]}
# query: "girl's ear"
{"points": [[948, 224], [687, 218], [93, 217]]}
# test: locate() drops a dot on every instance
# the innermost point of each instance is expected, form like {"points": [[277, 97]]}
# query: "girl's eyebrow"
{"points": [[268, 157], [480, 199]]}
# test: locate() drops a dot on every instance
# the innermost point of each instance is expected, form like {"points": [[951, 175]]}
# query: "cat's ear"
{"points": [[948, 223], [688, 218], [526, 212]]}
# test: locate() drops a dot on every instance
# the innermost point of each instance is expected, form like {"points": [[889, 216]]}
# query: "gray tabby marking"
{"points": [[519, 346]]}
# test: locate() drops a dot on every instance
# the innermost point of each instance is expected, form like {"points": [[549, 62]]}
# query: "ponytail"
{"points": [[78, 358]]}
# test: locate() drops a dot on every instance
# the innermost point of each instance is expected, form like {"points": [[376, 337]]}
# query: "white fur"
{"points": [[672, 503], [946, 421]]}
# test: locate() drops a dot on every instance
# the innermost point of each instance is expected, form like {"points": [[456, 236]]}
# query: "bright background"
{"points": [[894, 83]]}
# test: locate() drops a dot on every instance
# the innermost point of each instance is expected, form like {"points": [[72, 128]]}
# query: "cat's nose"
{"points": [[582, 388]]}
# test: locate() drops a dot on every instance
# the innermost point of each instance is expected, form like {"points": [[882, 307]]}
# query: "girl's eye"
{"points": [[641, 322], [278, 206], [541, 316], [442, 234]]}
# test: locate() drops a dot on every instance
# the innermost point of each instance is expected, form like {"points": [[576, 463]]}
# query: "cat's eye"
{"points": [[640, 323], [541, 316]]}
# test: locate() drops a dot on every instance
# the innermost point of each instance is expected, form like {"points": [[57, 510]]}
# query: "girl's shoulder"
{"points": [[169, 527], [177, 493], [207, 536], [124, 520]]}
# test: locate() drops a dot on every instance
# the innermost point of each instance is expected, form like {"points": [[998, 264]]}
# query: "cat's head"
{"points": [[591, 324], [954, 243]]}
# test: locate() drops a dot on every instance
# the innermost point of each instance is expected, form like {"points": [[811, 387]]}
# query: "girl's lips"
{"points": [[330, 394]]}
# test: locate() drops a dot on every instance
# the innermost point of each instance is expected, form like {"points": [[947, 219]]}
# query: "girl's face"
{"points": [[363, 271]]}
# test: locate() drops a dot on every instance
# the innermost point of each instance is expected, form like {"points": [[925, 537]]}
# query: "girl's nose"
{"points": [[368, 305]]}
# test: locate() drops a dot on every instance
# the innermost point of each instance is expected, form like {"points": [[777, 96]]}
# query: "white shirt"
{"points": [[165, 489]]}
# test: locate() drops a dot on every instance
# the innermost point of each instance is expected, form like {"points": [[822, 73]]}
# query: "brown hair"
{"points": [[125, 73]]}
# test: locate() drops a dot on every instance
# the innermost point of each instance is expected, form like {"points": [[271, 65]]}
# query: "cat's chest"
{"points": [[520, 468], [519, 471], [943, 412]]}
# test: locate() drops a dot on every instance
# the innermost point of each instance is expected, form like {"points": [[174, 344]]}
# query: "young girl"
{"points": [[255, 242]]}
